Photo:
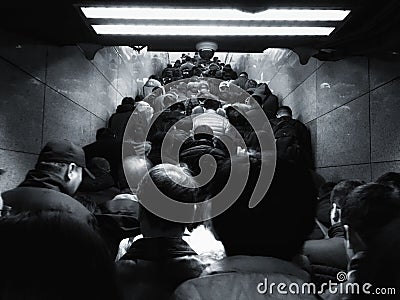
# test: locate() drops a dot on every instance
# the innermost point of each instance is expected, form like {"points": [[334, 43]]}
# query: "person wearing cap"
{"points": [[51, 184]]}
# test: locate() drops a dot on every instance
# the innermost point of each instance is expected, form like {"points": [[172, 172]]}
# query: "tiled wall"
{"points": [[352, 108], [54, 93]]}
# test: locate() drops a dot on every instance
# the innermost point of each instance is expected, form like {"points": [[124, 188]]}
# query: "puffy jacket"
{"points": [[327, 258], [45, 191], [218, 124], [243, 278], [153, 267]]}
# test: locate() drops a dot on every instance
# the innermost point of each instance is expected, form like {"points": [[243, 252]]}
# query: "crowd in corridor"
{"points": [[80, 226]]}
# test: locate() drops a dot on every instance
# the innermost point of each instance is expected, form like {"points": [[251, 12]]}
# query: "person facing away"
{"points": [[94, 192], [293, 139], [219, 124], [51, 184], [157, 263], [262, 242], [120, 118], [53, 255], [106, 147]]}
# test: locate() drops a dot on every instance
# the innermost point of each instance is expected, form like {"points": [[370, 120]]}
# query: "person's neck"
{"points": [[151, 232]]}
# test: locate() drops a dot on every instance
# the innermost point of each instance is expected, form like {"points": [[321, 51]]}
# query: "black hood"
{"points": [[125, 107]]}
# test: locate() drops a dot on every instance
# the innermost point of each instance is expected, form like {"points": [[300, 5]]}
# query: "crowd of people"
{"points": [[79, 226]]}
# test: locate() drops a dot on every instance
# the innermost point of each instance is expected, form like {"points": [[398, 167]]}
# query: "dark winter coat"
{"points": [[153, 267]]}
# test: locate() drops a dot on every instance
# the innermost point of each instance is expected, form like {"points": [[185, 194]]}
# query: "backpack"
{"points": [[287, 142]]}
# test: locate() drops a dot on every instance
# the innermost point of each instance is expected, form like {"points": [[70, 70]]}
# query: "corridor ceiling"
{"points": [[371, 29]]}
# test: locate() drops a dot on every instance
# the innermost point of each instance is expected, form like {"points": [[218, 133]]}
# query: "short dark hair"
{"points": [[52, 167], [285, 109], [128, 100], [370, 207], [177, 106], [390, 178], [105, 134], [279, 224], [211, 104], [342, 189]]}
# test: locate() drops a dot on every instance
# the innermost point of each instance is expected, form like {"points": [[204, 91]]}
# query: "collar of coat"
{"points": [[158, 249], [255, 264]]}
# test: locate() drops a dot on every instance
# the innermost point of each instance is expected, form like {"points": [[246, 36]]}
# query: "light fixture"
{"points": [[200, 30], [146, 13]]}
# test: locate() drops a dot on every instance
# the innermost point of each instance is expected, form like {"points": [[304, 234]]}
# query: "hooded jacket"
{"points": [[119, 119]]}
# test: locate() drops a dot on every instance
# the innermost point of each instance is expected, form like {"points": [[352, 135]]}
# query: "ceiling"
{"points": [[372, 28]]}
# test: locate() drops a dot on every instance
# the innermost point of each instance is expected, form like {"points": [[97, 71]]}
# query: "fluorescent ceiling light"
{"points": [[142, 13], [209, 30]]}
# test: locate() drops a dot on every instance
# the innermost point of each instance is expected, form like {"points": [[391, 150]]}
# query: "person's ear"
{"points": [[335, 214], [72, 168]]}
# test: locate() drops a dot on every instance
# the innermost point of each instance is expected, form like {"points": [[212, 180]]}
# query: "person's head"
{"points": [[177, 63], [135, 167], [339, 196], [244, 74], [368, 208], [235, 117], [204, 87], [250, 84], [99, 166], [175, 182], [196, 71], [66, 160], [178, 106], [284, 111], [390, 178], [211, 104], [203, 132], [224, 87], [51, 255], [105, 134], [279, 224], [139, 98], [169, 99], [128, 100], [188, 59]]}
